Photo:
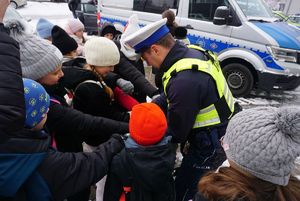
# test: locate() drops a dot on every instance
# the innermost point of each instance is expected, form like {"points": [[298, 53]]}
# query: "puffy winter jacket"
{"points": [[12, 106], [30, 170]]}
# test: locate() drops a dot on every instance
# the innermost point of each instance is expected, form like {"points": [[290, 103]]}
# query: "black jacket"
{"points": [[133, 72], [71, 126], [188, 92], [147, 170], [30, 170], [12, 105]]}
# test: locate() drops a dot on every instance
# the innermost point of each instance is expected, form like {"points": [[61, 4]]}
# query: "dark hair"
{"points": [[230, 184], [169, 15]]}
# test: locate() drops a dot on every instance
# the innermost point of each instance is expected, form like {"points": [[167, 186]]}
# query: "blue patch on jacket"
{"points": [[15, 169]]}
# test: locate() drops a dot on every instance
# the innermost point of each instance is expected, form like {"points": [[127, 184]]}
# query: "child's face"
{"points": [[72, 54], [79, 33], [52, 78], [104, 70], [110, 36]]}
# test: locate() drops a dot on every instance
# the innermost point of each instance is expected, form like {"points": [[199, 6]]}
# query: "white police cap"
{"points": [[147, 35]]}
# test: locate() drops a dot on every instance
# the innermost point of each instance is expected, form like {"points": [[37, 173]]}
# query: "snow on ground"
{"points": [[57, 13]]}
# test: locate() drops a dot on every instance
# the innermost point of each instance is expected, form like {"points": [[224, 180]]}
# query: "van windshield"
{"points": [[254, 9]]}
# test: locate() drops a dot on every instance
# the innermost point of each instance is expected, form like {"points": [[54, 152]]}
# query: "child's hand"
{"points": [[3, 6]]}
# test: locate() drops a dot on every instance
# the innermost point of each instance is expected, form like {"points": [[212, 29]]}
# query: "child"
{"points": [[75, 28], [108, 31], [143, 169], [42, 62], [30, 170], [261, 145], [44, 28], [181, 35]]}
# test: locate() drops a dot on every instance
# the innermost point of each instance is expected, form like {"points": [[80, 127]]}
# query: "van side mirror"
{"points": [[221, 16]]}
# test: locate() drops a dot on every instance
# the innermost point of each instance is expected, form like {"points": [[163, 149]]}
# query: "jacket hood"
{"points": [[153, 165]]}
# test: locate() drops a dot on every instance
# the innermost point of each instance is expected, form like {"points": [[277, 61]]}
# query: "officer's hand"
{"points": [[3, 6], [125, 85]]}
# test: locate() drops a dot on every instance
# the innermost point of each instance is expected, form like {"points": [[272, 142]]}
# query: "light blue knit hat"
{"points": [[37, 102], [44, 28]]}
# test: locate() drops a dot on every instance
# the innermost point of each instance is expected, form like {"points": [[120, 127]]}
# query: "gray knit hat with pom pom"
{"points": [[38, 56], [265, 142]]}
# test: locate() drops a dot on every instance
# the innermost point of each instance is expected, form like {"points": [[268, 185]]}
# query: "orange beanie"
{"points": [[148, 124]]}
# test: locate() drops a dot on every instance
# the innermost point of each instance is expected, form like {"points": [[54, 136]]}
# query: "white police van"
{"points": [[255, 50]]}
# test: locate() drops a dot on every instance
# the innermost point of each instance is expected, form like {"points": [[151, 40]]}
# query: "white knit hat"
{"points": [[100, 51]]}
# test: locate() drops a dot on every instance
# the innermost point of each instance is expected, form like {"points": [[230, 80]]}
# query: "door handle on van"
{"points": [[188, 26]]}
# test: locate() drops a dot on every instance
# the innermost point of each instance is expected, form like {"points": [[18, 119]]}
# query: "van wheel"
{"points": [[239, 79], [13, 4]]}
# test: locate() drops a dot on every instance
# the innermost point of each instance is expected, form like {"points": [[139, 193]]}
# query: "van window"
{"points": [[90, 8], [254, 8], [205, 9], [155, 6]]}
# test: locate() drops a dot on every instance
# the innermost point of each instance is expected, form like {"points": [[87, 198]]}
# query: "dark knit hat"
{"points": [[108, 28], [180, 32], [148, 124], [63, 41]]}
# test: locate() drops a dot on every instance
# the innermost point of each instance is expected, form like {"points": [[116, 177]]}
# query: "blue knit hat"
{"points": [[37, 102], [44, 28]]}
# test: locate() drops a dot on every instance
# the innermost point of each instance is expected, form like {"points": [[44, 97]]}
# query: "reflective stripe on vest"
{"points": [[207, 116]]}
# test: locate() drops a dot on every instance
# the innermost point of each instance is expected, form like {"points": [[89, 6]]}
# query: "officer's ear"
{"points": [[155, 49]]}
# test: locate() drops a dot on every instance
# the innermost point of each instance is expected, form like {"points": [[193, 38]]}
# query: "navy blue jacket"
{"points": [[188, 92]]}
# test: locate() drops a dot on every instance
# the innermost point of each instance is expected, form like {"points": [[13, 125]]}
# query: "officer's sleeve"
{"points": [[184, 104], [161, 101]]}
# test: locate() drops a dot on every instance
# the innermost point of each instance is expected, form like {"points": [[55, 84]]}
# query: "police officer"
{"points": [[198, 100]]}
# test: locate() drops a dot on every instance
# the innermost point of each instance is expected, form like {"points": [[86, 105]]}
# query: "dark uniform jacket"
{"points": [[188, 92], [147, 170]]}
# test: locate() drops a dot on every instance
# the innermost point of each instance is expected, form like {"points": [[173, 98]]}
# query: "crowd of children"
{"points": [[60, 91]]}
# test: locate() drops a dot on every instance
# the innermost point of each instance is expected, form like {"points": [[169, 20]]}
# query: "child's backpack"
{"points": [[134, 191]]}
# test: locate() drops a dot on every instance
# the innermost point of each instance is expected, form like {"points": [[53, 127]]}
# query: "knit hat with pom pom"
{"points": [[265, 142]]}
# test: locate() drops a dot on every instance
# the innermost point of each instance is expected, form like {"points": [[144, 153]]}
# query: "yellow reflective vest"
{"points": [[215, 113]]}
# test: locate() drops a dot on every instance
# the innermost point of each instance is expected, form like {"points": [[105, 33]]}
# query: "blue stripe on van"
{"points": [[218, 46], [284, 34], [214, 45]]}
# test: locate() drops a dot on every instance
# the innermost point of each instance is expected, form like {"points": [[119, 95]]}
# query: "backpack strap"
{"points": [[128, 180]]}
